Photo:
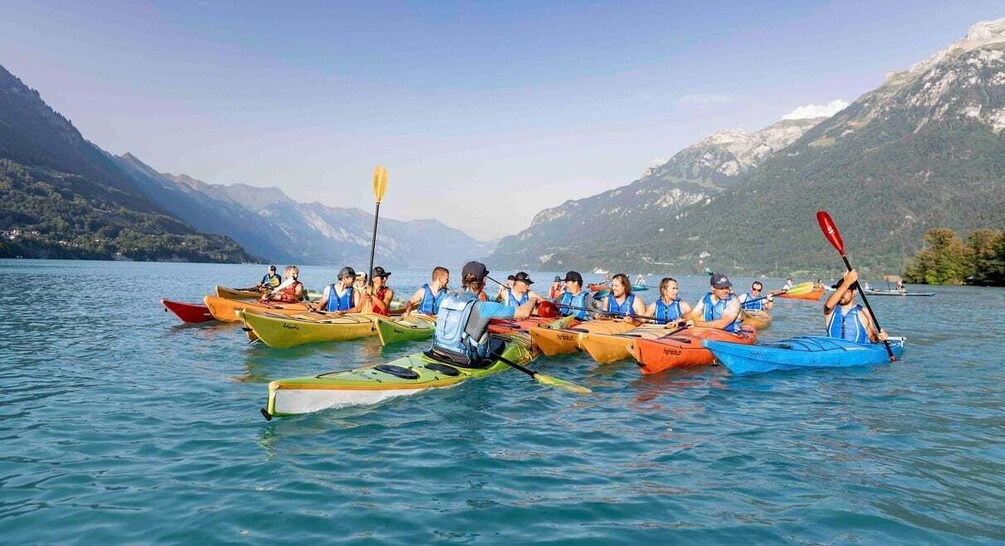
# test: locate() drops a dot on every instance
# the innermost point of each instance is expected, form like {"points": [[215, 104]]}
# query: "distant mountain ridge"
{"points": [[269, 223], [62, 197], [923, 150]]}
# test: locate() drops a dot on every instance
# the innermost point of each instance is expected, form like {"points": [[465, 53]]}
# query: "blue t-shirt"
{"points": [[494, 309]]}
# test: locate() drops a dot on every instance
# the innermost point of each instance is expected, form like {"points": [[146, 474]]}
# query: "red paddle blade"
{"points": [[830, 230], [547, 309]]}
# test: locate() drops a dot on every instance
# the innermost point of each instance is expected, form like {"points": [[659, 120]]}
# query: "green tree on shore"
{"points": [[947, 260]]}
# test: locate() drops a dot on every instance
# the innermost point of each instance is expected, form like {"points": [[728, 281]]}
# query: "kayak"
{"points": [[413, 328], [597, 287], [607, 348], [283, 331], [801, 353], [639, 288], [556, 341], [813, 295], [897, 293], [375, 383], [683, 350], [756, 318], [237, 293], [225, 309], [512, 326], [188, 312]]}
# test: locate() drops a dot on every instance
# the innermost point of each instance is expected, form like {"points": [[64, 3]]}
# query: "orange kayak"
{"points": [[682, 350], [607, 348], [226, 310], [814, 295], [559, 341], [756, 318]]}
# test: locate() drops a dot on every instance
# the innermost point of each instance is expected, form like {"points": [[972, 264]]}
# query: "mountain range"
{"points": [[63, 197], [923, 150]]}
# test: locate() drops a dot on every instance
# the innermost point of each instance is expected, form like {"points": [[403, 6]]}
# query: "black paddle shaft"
{"points": [[373, 243], [886, 343]]}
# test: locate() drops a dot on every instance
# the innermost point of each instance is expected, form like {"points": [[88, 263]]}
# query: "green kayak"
{"points": [[373, 384], [395, 329]]}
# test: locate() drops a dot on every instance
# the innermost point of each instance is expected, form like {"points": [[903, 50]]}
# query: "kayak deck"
{"points": [[803, 352]]}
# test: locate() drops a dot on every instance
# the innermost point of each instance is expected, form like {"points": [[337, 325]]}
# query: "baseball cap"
{"points": [[720, 281], [573, 276], [557, 279], [511, 278], [346, 272], [522, 277], [474, 269], [379, 272]]}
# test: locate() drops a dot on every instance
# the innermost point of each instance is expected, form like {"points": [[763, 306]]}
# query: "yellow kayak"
{"points": [[398, 329], [568, 340], [759, 320], [225, 309], [282, 331], [607, 348]]}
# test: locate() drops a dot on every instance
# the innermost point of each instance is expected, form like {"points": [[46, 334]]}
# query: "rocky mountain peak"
{"points": [[980, 35]]}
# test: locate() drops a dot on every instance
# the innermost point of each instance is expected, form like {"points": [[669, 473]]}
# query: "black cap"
{"points": [[474, 269], [557, 279], [523, 277], [272, 268], [720, 281], [346, 272], [511, 278], [379, 272], [573, 276]]}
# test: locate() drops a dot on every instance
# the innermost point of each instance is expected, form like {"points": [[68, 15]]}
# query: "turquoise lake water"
{"points": [[120, 425]]}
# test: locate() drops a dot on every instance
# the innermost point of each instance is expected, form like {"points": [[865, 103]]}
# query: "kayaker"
{"points": [[426, 299], [377, 298], [751, 301], [640, 280], [845, 319], [621, 302], [360, 282], [788, 284], [341, 297], [270, 281], [501, 293], [900, 287], [556, 289], [575, 300], [520, 293], [719, 308], [669, 307], [461, 335], [290, 290]]}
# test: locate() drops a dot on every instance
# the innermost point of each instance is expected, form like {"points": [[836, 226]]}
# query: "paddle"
{"points": [[544, 379], [379, 187], [833, 236], [797, 290]]}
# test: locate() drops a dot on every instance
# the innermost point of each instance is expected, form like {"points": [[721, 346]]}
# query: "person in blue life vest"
{"points": [[846, 319], [719, 308], [752, 300], [270, 280], [575, 301], [621, 302], [341, 297], [427, 298], [291, 290], [520, 293], [668, 308], [461, 336]]}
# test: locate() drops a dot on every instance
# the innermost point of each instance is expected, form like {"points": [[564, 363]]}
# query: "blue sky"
{"points": [[483, 112]]}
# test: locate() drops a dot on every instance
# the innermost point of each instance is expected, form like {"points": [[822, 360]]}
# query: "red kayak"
{"points": [[682, 350], [188, 312]]}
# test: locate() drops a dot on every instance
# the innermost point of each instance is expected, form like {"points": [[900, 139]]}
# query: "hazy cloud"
{"points": [[817, 110], [704, 99]]}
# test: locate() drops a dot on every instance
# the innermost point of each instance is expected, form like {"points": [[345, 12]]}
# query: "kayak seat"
{"points": [[496, 346]]}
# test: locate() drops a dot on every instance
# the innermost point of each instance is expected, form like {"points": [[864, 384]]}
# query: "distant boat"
{"points": [[898, 291], [599, 271]]}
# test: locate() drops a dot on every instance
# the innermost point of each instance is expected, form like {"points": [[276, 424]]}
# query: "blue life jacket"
{"points": [[714, 312], [665, 313], [513, 302], [430, 303], [751, 305], [460, 330], [336, 303], [848, 326], [579, 300], [271, 280], [625, 308]]}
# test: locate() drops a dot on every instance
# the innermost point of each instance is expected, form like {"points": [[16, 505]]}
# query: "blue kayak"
{"points": [[799, 353]]}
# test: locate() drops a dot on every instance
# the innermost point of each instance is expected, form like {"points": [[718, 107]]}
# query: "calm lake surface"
{"points": [[120, 425]]}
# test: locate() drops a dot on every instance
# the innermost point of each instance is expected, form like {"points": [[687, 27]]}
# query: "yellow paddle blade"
{"points": [[801, 288], [560, 383], [379, 182]]}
